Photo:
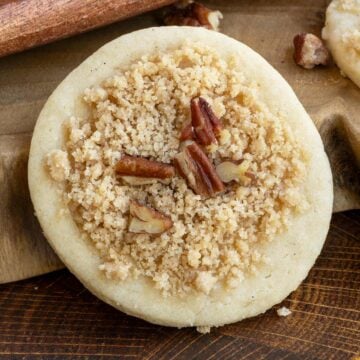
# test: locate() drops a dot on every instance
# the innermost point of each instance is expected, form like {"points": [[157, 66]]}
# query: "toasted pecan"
{"points": [[194, 14], [141, 167], [200, 174], [231, 171], [187, 132], [144, 219], [206, 124], [310, 51]]}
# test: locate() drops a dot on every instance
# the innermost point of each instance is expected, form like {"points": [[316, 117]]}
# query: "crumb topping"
{"points": [[140, 111], [351, 6], [58, 164], [352, 39]]}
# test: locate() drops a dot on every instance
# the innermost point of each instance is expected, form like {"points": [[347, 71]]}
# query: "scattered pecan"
{"points": [[206, 124], [194, 14], [310, 51], [230, 171], [144, 219], [194, 166], [144, 168]]}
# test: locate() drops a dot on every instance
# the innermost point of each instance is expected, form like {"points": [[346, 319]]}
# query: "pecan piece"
{"points": [[229, 171], [144, 219], [144, 168], [187, 132], [206, 124], [194, 14], [195, 167], [138, 181], [310, 51]]}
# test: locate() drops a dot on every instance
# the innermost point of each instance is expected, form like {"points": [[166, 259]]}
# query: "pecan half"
{"points": [[144, 219], [310, 51], [206, 124], [229, 171], [195, 167], [141, 167], [194, 14]]}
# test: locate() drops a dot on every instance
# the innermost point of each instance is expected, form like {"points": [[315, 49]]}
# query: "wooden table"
{"points": [[53, 316]]}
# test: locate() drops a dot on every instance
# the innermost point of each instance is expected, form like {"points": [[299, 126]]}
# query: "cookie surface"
{"points": [[342, 36], [291, 253]]}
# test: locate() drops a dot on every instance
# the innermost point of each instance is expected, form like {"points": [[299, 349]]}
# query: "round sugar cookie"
{"points": [[287, 258], [342, 36]]}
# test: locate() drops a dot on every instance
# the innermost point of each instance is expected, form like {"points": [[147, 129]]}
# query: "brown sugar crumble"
{"points": [[141, 111]]}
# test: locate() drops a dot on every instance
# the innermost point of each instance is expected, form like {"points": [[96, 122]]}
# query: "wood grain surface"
{"points": [[55, 317], [25, 24]]}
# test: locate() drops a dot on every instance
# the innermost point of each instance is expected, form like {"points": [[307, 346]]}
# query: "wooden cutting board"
{"points": [[27, 79]]}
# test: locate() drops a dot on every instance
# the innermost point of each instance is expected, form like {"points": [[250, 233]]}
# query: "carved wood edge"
{"points": [[340, 131], [24, 250]]}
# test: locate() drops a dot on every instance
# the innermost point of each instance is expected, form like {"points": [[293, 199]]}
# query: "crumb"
{"points": [[342, 73], [205, 282], [351, 6], [351, 39], [58, 164], [203, 329], [283, 311]]}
